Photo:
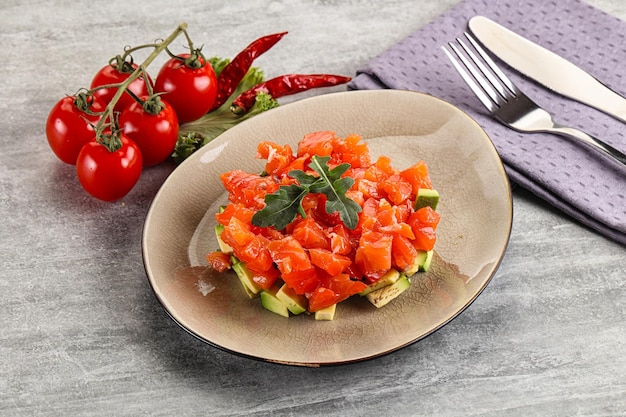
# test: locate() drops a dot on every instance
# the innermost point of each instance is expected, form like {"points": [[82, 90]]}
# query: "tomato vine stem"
{"points": [[108, 114], [84, 100]]}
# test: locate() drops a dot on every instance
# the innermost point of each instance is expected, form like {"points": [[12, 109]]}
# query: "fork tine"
{"points": [[483, 96], [486, 71], [479, 72], [492, 65]]}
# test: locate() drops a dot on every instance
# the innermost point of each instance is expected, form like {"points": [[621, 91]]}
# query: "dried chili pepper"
{"points": [[235, 70], [285, 85]]}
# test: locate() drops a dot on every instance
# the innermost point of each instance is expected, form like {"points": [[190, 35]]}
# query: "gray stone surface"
{"points": [[82, 333]]}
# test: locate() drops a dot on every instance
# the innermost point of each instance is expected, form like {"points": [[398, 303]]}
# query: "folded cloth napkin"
{"points": [[581, 182]]}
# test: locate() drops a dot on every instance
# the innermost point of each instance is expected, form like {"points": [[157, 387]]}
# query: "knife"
{"points": [[547, 68]]}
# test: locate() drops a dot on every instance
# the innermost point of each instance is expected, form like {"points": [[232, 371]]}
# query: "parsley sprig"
{"points": [[282, 207]]}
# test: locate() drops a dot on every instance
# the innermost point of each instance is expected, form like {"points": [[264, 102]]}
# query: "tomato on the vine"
{"points": [[69, 126], [153, 126], [191, 91], [109, 174], [112, 74]]}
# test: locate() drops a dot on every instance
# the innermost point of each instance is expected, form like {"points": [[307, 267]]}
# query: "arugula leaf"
{"points": [[335, 189], [303, 178], [282, 206], [338, 201], [320, 165]]}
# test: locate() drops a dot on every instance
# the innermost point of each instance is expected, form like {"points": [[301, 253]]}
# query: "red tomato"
{"points": [[155, 134], [68, 128], [109, 175], [191, 91], [111, 75]]}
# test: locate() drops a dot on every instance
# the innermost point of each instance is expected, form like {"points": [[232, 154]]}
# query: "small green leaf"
{"points": [[281, 207], [335, 189], [302, 177], [320, 165], [338, 171], [338, 202]]}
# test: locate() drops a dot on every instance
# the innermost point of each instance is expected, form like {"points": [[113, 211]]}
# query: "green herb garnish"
{"points": [[194, 135], [282, 206]]}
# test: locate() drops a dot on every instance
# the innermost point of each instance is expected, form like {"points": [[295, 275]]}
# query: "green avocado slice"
{"points": [[426, 197]]}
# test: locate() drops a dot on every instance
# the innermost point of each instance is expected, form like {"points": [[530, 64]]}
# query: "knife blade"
{"points": [[547, 68]]}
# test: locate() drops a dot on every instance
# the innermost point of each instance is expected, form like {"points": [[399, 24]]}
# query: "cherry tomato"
{"points": [[109, 175], [191, 91], [68, 128], [110, 74], [155, 134]]}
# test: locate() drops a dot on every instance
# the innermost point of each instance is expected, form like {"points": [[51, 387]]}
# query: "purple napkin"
{"points": [[581, 182]]}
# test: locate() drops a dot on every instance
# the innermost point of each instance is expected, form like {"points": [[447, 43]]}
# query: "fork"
{"points": [[506, 102]]}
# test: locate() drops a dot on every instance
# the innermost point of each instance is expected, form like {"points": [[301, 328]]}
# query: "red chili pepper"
{"points": [[285, 85], [235, 70]]}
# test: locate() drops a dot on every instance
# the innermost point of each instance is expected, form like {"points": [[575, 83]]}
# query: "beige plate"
{"points": [[475, 206]]}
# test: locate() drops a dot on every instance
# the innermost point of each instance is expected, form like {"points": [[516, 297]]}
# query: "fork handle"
{"points": [[589, 140]]}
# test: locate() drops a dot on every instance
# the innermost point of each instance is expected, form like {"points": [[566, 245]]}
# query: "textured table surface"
{"points": [[82, 334]]}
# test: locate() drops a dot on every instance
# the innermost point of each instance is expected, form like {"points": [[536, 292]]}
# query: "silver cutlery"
{"points": [[547, 68], [506, 102]]}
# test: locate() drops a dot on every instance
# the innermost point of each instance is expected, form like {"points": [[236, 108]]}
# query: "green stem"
{"points": [[122, 87], [129, 50]]}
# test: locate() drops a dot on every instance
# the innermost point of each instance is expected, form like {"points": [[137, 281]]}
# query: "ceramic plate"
{"points": [[475, 208]]}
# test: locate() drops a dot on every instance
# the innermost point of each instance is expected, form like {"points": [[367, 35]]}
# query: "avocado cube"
{"points": [[387, 279], [427, 259], [245, 276], [295, 303], [426, 197], [326, 314], [419, 260], [422, 262], [272, 303], [223, 246], [384, 295]]}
